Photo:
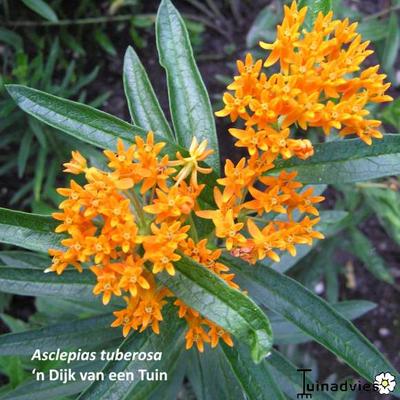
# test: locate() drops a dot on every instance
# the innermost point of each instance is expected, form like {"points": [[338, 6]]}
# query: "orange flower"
{"points": [[170, 204], [132, 275], [190, 165], [236, 178], [196, 334], [216, 333], [77, 165], [107, 283], [265, 240]]}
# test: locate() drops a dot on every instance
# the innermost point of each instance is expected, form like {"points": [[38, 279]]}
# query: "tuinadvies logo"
{"points": [[385, 383]]}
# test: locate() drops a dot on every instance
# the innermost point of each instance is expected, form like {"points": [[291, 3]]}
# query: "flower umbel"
{"points": [[129, 224]]}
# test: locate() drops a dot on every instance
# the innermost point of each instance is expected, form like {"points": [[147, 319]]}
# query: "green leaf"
{"points": [[391, 113], [31, 282], [189, 103], [212, 366], [11, 38], [311, 314], [287, 333], [30, 231], [227, 307], [314, 7], [170, 341], [143, 105], [349, 160], [392, 43], [78, 120], [264, 26], [256, 380], [13, 368], [104, 41], [39, 172], [386, 205], [363, 249], [83, 333], [24, 259], [52, 390], [41, 8], [24, 152], [171, 389], [289, 378], [88, 124]]}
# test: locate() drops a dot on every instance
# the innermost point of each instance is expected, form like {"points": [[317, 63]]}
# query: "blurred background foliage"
{"points": [[74, 49]]}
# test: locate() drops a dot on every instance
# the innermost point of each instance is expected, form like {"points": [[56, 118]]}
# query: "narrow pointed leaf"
{"points": [[42, 8], [227, 307], [364, 249], [83, 333], [52, 390], [189, 103], [287, 333], [349, 160], [143, 105], [24, 259], [311, 314], [169, 341], [87, 124], [32, 282], [30, 231], [79, 120], [212, 366], [256, 380]]}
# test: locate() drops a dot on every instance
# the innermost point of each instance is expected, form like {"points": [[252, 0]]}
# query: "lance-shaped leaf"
{"points": [[88, 124], [311, 314], [189, 103], [255, 380], [314, 7], [34, 282], [349, 160], [24, 259], [78, 120], [143, 105], [287, 333], [30, 231], [84, 333], [212, 366], [81, 121], [170, 341], [227, 307], [52, 390]]}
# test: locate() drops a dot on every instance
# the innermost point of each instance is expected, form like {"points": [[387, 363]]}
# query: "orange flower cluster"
{"points": [[129, 224], [320, 84], [317, 86]]}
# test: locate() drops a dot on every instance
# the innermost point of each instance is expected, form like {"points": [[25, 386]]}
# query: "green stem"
{"points": [[107, 19], [193, 229], [382, 13], [364, 185], [138, 207]]}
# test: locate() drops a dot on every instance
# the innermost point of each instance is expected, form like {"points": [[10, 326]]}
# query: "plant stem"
{"points": [[382, 13], [193, 229], [107, 19], [137, 206], [372, 185], [79, 21]]}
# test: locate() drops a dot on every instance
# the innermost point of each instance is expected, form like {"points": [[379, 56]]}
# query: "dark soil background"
{"points": [[381, 325]]}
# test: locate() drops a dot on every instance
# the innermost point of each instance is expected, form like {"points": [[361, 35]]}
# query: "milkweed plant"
{"points": [[183, 255]]}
